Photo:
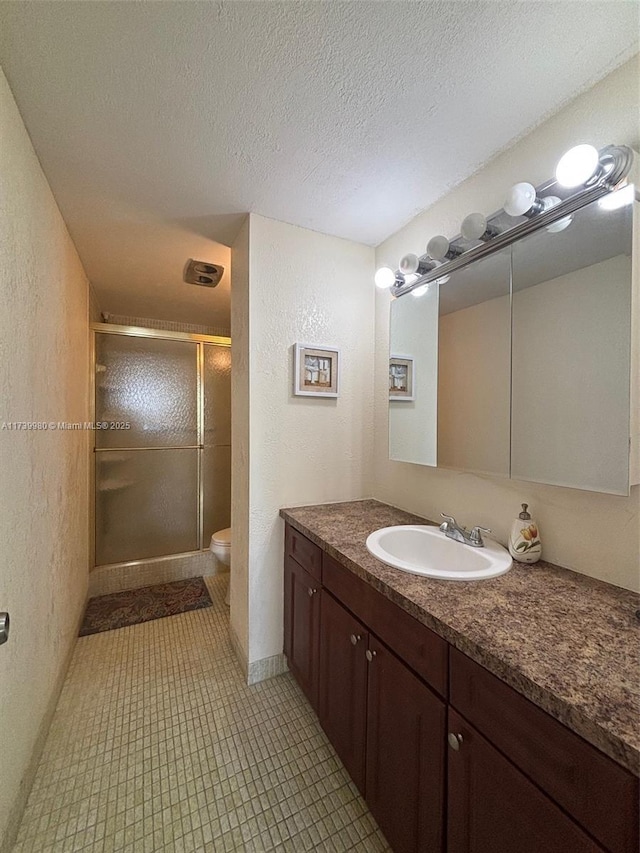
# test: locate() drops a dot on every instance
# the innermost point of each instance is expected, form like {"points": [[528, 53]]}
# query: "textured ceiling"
{"points": [[159, 124]]}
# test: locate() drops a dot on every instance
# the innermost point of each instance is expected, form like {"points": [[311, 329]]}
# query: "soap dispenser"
{"points": [[524, 542]]}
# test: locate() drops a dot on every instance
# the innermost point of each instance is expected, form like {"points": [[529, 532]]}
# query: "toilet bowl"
{"points": [[221, 545], [221, 548]]}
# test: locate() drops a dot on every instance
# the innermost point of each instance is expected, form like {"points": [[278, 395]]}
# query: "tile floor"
{"points": [[158, 744]]}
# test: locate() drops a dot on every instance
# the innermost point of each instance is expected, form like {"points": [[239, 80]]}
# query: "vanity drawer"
{"points": [[303, 551], [593, 789], [348, 588], [419, 647]]}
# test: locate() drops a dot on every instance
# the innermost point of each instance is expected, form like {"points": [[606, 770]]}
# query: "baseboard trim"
{"points": [[257, 670], [10, 834], [236, 645], [261, 670]]}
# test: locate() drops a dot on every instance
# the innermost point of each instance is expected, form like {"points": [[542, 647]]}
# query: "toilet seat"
{"points": [[222, 537]]}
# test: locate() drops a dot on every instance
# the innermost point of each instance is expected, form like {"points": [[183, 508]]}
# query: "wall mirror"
{"points": [[522, 360], [414, 339], [474, 376], [572, 352]]}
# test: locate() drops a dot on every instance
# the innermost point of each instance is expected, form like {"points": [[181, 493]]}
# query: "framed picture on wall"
{"points": [[401, 378], [315, 371]]}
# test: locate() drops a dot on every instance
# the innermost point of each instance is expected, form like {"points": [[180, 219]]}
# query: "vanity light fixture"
{"points": [[585, 166], [522, 200], [440, 249], [423, 288], [410, 264], [385, 277], [476, 227], [420, 291], [584, 175], [560, 225], [577, 166], [555, 227]]}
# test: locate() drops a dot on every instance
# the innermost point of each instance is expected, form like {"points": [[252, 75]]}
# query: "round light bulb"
{"points": [[473, 226], [560, 225], [577, 166], [385, 277], [550, 201], [520, 199], [437, 247], [420, 291], [409, 264]]}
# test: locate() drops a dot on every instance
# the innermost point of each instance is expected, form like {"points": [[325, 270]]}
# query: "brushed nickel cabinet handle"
{"points": [[370, 655], [311, 591], [455, 740], [4, 628], [355, 639]]}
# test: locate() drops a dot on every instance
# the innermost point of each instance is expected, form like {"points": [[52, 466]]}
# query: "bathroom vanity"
{"points": [[499, 716]]}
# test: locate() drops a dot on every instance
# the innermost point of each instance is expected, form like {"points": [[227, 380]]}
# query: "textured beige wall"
{"points": [[43, 474], [95, 312], [308, 288], [591, 533], [240, 330]]}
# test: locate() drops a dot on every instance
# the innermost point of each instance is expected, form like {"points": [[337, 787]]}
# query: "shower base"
{"points": [[133, 575]]}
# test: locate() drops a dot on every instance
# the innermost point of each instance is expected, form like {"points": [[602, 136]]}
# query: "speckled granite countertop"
{"points": [[567, 642]]}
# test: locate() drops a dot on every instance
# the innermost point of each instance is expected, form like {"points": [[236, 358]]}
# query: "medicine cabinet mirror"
{"points": [[523, 360]]}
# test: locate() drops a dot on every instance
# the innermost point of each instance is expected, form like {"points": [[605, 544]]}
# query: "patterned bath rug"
{"points": [[132, 606]]}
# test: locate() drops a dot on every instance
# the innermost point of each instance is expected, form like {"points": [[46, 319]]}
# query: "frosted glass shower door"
{"points": [[147, 458], [146, 504]]}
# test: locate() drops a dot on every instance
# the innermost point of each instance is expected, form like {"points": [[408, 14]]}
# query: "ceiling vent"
{"points": [[202, 273]]}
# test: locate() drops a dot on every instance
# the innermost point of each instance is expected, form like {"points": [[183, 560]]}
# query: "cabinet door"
{"points": [[405, 755], [342, 701], [597, 793], [302, 623], [494, 808]]}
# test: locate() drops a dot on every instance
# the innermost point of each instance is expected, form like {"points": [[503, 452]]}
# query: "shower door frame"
{"points": [[142, 332]]}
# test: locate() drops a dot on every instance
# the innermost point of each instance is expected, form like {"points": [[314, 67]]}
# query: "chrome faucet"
{"points": [[452, 529]]}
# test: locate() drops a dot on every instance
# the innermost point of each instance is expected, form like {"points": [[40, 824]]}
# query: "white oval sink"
{"points": [[425, 550]]}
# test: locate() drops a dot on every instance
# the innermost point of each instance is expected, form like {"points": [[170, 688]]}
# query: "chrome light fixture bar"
{"points": [[613, 166]]}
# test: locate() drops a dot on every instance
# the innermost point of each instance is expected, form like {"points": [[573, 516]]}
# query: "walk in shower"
{"points": [[162, 477]]}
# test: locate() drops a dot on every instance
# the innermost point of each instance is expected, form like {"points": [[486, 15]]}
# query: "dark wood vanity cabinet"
{"points": [[405, 758], [540, 755], [493, 808], [342, 689], [302, 626], [302, 611], [387, 727], [385, 723], [447, 756]]}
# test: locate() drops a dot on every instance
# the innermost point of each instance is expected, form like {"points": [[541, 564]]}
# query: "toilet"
{"points": [[221, 548]]}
